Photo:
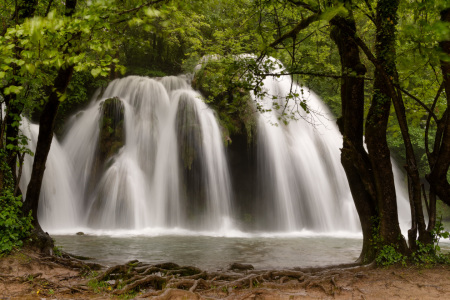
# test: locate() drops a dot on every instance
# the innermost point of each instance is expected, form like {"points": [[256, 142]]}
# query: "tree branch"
{"points": [[427, 126], [293, 33], [335, 76], [47, 11], [420, 102]]}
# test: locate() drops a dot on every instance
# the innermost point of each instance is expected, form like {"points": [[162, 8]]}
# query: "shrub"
{"points": [[14, 228]]}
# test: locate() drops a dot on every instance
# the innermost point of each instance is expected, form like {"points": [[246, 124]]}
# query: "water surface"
{"points": [[213, 253]]}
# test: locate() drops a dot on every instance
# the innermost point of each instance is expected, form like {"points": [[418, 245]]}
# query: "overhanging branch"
{"points": [[299, 27], [335, 76], [432, 114]]}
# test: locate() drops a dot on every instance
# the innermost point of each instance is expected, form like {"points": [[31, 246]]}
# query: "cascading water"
{"points": [[145, 182], [303, 185], [149, 153], [58, 207]]}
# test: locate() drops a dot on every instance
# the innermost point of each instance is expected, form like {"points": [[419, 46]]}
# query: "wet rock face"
{"points": [[189, 133], [112, 131], [111, 140], [189, 137], [237, 114], [230, 98]]}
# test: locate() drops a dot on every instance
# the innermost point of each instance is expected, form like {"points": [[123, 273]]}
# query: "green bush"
{"points": [[14, 228], [431, 254], [389, 255]]}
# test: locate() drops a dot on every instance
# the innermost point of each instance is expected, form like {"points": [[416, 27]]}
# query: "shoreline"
{"points": [[25, 274]]}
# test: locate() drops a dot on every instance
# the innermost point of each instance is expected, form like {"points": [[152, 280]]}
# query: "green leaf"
{"points": [[13, 90], [95, 72], [30, 68], [151, 12]]}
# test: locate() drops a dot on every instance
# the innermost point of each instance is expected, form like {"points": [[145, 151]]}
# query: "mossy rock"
{"points": [[219, 83], [112, 128], [188, 132]]}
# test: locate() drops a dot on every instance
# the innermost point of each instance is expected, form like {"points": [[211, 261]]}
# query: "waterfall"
{"points": [[148, 181], [58, 203], [149, 153], [302, 182]]}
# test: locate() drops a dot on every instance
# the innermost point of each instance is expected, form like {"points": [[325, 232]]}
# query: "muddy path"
{"points": [[28, 275]]}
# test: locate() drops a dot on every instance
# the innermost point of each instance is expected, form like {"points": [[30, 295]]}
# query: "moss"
{"points": [[189, 132], [112, 135], [229, 97], [443, 210]]}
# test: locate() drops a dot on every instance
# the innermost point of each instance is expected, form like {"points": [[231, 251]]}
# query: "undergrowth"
{"points": [[426, 255], [14, 228]]}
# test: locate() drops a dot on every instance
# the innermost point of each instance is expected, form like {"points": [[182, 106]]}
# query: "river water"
{"points": [[211, 253], [216, 252]]}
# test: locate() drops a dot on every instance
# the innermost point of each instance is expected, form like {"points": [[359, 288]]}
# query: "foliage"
{"points": [[386, 255], [14, 228], [429, 254], [79, 91], [222, 83], [99, 286], [107, 39], [443, 210], [425, 255], [57, 251], [389, 255]]}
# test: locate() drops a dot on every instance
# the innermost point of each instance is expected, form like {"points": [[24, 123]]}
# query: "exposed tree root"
{"points": [[71, 262], [167, 280], [151, 280]]}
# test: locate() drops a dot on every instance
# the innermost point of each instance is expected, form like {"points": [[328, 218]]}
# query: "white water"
{"points": [[143, 187], [146, 188], [58, 203], [300, 164]]}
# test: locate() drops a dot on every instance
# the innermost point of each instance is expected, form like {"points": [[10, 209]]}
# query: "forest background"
{"points": [[381, 66]]}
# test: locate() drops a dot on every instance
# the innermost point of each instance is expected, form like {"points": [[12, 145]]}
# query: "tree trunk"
{"points": [[46, 127], [438, 176], [414, 185], [354, 158], [376, 125]]}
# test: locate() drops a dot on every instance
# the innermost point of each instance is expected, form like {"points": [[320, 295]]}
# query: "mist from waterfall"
{"points": [[167, 167]]}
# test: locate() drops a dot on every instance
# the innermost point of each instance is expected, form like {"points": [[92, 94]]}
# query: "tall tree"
{"points": [[354, 157], [370, 173], [440, 159], [47, 125]]}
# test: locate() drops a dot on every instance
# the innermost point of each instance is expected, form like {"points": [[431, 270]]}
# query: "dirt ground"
{"points": [[27, 275]]}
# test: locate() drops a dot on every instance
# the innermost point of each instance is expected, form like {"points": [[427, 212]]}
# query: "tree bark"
{"points": [[376, 126], [46, 128], [354, 158], [438, 175]]}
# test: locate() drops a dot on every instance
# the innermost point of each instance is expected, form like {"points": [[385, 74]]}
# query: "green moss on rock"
{"points": [[229, 97]]}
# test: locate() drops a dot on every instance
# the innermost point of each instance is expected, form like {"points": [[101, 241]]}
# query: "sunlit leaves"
{"points": [[96, 71], [333, 11], [12, 90]]}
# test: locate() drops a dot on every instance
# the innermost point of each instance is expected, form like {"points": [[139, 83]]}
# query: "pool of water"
{"points": [[216, 251]]}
